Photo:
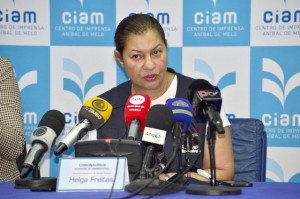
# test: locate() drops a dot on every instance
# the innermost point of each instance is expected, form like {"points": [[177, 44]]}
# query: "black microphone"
{"points": [[158, 122], [42, 139], [206, 102], [93, 114]]}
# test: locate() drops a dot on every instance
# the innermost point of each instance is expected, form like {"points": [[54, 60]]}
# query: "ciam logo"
{"points": [[162, 17], [215, 17], [82, 87], [228, 79], [82, 18], [281, 15], [15, 16], [280, 90]]}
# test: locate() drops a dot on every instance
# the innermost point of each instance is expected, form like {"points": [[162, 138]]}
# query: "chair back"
{"points": [[249, 148]]}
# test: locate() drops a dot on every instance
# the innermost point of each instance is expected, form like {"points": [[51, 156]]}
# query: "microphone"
{"points": [[135, 113], [93, 114], [206, 103], [42, 139], [158, 122], [182, 113]]}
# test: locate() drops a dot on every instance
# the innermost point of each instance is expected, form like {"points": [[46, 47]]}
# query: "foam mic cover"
{"points": [[202, 95], [42, 139], [53, 119], [50, 127], [199, 84], [96, 110], [158, 123], [182, 111], [136, 108], [160, 117]]}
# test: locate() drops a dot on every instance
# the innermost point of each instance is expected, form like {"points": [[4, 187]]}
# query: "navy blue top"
{"points": [[115, 127]]}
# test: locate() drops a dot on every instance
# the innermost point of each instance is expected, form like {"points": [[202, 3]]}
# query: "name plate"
{"points": [[92, 174]]}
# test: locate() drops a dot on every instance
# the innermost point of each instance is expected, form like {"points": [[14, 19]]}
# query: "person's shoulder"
{"points": [[118, 95], [180, 77], [184, 78], [5, 64]]}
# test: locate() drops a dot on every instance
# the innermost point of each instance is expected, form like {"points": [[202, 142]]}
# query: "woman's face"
{"points": [[145, 61]]}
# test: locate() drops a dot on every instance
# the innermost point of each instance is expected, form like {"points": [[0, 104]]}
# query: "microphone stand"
{"points": [[149, 186], [36, 183], [188, 151], [214, 124], [183, 179]]}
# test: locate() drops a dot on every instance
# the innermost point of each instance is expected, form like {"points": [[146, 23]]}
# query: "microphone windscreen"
{"points": [[137, 107], [182, 111], [159, 117], [199, 84], [96, 110], [53, 119]]}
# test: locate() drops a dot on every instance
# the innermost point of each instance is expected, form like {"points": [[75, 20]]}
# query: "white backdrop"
{"points": [[62, 51]]}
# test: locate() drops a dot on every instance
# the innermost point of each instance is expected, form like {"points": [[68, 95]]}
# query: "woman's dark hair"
{"points": [[136, 24]]}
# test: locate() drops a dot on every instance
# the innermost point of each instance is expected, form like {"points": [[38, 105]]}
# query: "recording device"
{"points": [[206, 102], [135, 113], [93, 114], [240, 183], [131, 149], [42, 139]]}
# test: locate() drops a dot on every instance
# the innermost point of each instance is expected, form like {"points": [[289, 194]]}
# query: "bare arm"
{"points": [[223, 156]]}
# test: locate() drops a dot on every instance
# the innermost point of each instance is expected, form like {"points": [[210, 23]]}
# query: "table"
{"points": [[265, 190]]}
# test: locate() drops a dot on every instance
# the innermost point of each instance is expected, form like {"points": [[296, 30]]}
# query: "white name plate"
{"points": [[92, 174]]}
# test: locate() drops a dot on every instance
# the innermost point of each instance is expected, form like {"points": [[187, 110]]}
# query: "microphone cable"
{"points": [[175, 179], [156, 176], [116, 154]]}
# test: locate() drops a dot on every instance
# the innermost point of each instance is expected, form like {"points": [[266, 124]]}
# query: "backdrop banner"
{"points": [[62, 53]]}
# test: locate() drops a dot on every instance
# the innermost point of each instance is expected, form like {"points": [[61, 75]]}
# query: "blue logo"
{"points": [[80, 90], [226, 80], [275, 91], [164, 18], [82, 23], [275, 169], [212, 23], [281, 16], [17, 16], [277, 87], [153, 135]]}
